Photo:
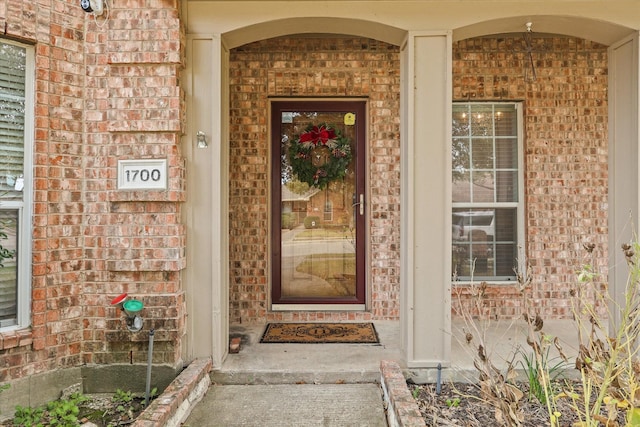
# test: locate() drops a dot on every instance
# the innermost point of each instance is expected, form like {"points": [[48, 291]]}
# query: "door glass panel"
{"points": [[318, 206]]}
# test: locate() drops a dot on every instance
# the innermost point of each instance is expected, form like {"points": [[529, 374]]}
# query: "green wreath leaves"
{"points": [[320, 155]]}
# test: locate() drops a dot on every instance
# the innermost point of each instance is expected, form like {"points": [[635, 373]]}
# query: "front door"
{"points": [[318, 204]]}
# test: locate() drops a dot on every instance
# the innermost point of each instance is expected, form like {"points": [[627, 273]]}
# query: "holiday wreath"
{"points": [[320, 155]]}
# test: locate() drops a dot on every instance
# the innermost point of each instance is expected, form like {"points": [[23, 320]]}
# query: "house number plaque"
{"points": [[142, 174]]}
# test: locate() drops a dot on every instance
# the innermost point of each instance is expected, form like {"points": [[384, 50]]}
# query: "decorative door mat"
{"points": [[320, 333]]}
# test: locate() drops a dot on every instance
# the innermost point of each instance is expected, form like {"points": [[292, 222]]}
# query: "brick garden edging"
{"points": [[174, 405], [402, 409]]}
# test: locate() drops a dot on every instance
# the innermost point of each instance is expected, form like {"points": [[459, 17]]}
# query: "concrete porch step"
{"points": [[258, 363], [339, 405], [258, 377]]}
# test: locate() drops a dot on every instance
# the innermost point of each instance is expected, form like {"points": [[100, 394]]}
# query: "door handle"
{"points": [[360, 203]]}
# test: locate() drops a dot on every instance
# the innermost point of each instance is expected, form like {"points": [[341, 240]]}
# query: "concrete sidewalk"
{"points": [[339, 405], [298, 384], [327, 384]]}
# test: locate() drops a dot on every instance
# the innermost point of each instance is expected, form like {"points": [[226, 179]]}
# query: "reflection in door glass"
{"points": [[318, 252]]}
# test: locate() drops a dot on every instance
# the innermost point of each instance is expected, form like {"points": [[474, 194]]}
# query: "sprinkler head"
{"points": [[134, 324], [132, 309]]}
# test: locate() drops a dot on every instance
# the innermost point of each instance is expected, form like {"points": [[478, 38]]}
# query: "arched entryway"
{"points": [[311, 256], [425, 110]]}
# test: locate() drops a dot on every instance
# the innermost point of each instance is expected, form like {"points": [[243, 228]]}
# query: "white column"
{"points": [[624, 158], [206, 277], [426, 200]]}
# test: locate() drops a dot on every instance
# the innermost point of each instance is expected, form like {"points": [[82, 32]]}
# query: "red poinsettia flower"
{"points": [[318, 135]]}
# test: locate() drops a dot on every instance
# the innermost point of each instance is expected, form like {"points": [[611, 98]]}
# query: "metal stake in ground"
{"points": [[149, 361]]}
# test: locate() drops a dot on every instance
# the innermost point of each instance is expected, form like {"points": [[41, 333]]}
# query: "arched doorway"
{"points": [[424, 111]]}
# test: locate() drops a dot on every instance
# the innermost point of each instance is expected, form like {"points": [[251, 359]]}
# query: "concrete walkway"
{"points": [[339, 405], [338, 384], [298, 384]]}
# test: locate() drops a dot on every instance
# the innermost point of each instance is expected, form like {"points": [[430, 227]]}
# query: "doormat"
{"points": [[320, 333]]}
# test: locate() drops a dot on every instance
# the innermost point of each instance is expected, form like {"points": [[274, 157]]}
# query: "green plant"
{"points": [[312, 221], [287, 221], [28, 417], [123, 396], [124, 399], [608, 362], [537, 367], [125, 402], [62, 412], [608, 358], [453, 403], [319, 155]]}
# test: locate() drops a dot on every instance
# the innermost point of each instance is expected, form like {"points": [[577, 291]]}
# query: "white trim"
{"points": [[519, 205], [425, 307], [220, 201], [428, 363], [207, 276], [624, 158], [26, 222], [25, 208]]}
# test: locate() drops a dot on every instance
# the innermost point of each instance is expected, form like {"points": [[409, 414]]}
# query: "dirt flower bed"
{"points": [[607, 364], [461, 405], [101, 410]]}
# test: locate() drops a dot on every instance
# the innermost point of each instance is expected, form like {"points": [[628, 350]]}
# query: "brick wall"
{"points": [[314, 67], [105, 90], [565, 157], [112, 91], [134, 240], [565, 126], [55, 339]]}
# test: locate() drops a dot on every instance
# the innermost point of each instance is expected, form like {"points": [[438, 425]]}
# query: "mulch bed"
{"points": [[460, 405]]}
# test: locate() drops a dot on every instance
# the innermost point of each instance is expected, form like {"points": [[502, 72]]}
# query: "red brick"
{"points": [[565, 156], [258, 70]]}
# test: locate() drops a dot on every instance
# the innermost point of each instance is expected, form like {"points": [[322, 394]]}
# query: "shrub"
{"points": [[287, 221], [608, 358], [312, 222]]}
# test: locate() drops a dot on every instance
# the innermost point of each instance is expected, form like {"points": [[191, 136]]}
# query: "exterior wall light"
{"points": [[201, 139]]}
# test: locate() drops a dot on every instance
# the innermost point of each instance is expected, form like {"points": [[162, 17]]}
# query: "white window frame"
{"points": [[24, 207], [519, 205]]}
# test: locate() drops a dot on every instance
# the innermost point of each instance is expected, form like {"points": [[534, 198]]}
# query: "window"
{"points": [[328, 211], [16, 142], [486, 190]]}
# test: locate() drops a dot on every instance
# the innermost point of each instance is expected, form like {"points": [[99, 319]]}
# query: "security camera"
{"points": [[92, 6]]}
